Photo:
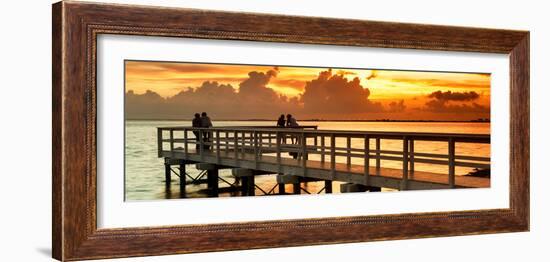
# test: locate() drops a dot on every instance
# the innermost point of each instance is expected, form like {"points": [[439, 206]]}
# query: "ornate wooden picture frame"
{"points": [[76, 26]]}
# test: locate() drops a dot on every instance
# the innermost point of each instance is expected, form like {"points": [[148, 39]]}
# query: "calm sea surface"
{"points": [[144, 177]]}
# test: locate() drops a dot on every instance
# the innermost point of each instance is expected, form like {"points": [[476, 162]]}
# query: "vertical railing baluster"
{"points": [[159, 142], [278, 149], [255, 144], [186, 143], [366, 164], [323, 150], [333, 155], [451, 162], [243, 145], [260, 144], [226, 142], [377, 156], [315, 142], [405, 180], [304, 153], [201, 144], [348, 151], [172, 142], [411, 156], [236, 146], [218, 157]]}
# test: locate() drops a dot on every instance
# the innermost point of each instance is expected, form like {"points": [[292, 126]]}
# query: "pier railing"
{"points": [[329, 147]]}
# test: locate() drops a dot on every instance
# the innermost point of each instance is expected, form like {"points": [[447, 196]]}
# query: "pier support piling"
{"points": [[183, 182], [296, 188], [212, 177], [247, 179], [167, 175], [283, 179], [249, 186], [351, 187], [328, 186]]}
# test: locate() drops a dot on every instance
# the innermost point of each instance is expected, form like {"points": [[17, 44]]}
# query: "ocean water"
{"points": [[144, 171]]}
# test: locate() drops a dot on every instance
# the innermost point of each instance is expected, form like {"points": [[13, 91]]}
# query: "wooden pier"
{"points": [[297, 155]]}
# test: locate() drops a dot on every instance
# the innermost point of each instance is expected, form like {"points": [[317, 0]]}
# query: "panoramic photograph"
{"points": [[197, 130]]}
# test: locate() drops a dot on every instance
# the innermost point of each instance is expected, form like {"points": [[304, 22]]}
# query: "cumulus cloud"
{"points": [[454, 102], [253, 99], [397, 106], [328, 96], [335, 94], [454, 96]]}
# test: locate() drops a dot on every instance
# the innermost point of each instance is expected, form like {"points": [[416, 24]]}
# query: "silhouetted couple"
{"points": [[203, 121], [289, 122]]}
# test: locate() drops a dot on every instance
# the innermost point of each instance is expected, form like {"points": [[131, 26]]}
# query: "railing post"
{"points": [[366, 164], [186, 144], [236, 146], [332, 155], [255, 144], [243, 149], [405, 180], [172, 142], [411, 156], [226, 142], [218, 159], [159, 141], [304, 153], [278, 149], [451, 162], [377, 156], [348, 151], [260, 142], [201, 144], [323, 150], [315, 142]]}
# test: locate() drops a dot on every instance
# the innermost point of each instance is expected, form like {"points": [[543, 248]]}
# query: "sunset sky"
{"points": [[173, 90]]}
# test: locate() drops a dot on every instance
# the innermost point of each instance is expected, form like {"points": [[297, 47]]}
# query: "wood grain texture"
{"points": [[76, 26], [57, 196]]}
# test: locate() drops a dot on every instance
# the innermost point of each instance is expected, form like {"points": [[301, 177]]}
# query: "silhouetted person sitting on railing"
{"points": [[292, 123], [197, 122], [281, 121], [206, 123]]}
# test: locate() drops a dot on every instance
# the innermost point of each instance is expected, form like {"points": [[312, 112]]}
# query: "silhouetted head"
{"points": [[203, 114], [282, 116], [197, 115], [288, 116]]}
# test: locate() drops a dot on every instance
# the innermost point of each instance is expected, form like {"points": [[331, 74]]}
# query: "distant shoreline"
{"points": [[329, 120]]}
